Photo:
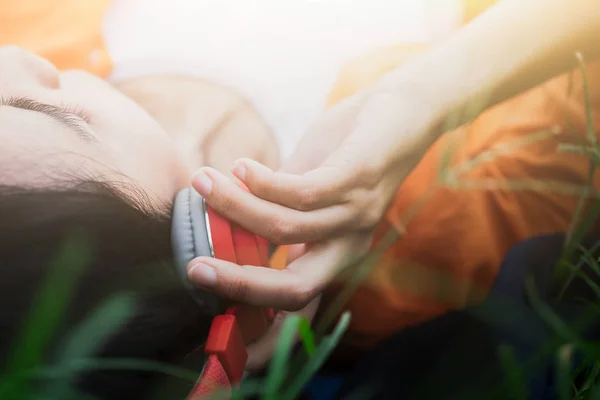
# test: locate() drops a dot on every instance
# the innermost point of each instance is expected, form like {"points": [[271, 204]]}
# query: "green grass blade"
{"points": [[546, 313], [563, 274], [246, 389], [594, 393], [591, 217], [359, 274], [590, 379], [279, 366], [575, 226], [593, 264], [46, 316], [577, 231], [515, 379], [67, 395], [90, 335], [499, 150], [586, 258], [592, 307], [593, 285], [563, 372], [446, 157], [323, 351], [591, 131], [84, 365], [307, 336], [589, 258]]}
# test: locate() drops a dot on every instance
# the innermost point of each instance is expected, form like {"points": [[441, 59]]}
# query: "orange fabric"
{"points": [[66, 32], [451, 250]]}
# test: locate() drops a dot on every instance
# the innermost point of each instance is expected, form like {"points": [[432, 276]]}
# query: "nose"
{"points": [[21, 67]]}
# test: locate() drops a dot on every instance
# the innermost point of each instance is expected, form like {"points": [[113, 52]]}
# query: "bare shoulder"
{"points": [[211, 124]]}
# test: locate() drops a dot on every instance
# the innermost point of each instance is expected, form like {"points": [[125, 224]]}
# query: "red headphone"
{"points": [[198, 230]]}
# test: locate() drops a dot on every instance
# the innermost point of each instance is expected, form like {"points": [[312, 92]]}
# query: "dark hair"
{"points": [[130, 251]]}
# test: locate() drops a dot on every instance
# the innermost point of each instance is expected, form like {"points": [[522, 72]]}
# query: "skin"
{"points": [[336, 188], [38, 150], [155, 146], [182, 124], [209, 124]]}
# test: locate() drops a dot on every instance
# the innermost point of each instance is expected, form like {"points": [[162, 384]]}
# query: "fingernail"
{"points": [[202, 183], [202, 275], [239, 170]]}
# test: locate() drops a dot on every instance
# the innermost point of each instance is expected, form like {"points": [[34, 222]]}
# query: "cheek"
{"points": [[151, 160], [164, 159], [138, 145]]}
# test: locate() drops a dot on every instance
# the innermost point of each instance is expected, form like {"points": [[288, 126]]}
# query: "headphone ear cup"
{"points": [[190, 239]]}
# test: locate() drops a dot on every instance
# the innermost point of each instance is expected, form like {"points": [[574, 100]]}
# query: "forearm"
{"points": [[514, 46]]}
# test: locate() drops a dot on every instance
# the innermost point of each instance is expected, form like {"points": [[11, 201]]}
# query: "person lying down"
{"points": [[77, 155]]}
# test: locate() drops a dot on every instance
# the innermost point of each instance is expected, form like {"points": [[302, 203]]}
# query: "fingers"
{"points": [[290, 289], [276, 223], [259, 286], [316, 189]]}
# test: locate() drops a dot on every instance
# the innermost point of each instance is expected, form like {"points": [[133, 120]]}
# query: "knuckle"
{"points": [[279, 231], [370, 173], [369, 220], [300, 296], [372, 211], [226, 204], [307, 198], [238, 288], [258, 185]]}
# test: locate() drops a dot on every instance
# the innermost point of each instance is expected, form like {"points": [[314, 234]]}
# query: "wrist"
{"points": [[410, 117]]}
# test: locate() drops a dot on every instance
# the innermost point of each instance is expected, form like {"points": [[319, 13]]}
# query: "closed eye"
{"points": [[72, 118]]}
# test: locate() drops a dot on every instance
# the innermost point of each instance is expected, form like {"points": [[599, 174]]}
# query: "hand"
{"points": [[356, 157]]}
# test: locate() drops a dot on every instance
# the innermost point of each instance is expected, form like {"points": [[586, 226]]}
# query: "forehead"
{"points": [[36, 149]]}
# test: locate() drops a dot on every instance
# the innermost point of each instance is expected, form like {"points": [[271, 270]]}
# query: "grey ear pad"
{"points": [[190, 238]]}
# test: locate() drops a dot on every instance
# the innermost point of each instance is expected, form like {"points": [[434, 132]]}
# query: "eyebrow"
{"points": [[69, 119]]}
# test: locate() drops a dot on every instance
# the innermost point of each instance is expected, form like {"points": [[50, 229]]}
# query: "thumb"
{"points": [[282, 289], [290, 289]]}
